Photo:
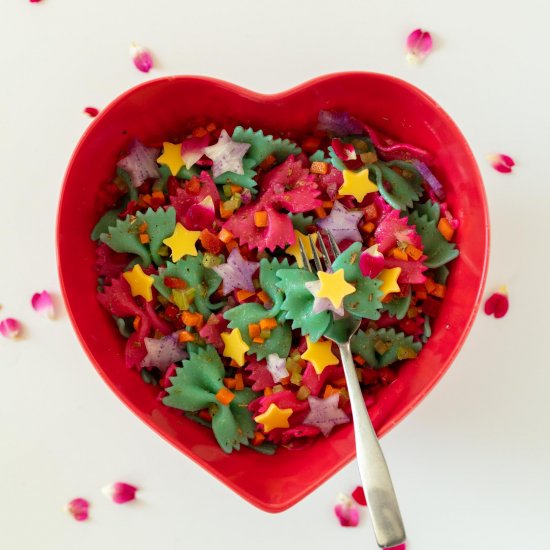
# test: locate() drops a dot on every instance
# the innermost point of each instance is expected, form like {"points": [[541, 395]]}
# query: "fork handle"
{"points": [[382, 502]]}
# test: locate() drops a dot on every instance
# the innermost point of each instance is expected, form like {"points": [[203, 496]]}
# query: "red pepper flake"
{"points": [[174, 282], [497, 304], [431, 307]]}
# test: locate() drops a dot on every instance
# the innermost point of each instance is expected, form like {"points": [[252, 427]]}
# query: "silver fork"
{"points": [[381, 499]]}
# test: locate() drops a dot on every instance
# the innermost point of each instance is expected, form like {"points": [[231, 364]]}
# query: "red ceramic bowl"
{"points": [[159, 108]]}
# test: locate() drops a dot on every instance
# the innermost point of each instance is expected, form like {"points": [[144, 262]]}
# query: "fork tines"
{"points": [[325, 256]]}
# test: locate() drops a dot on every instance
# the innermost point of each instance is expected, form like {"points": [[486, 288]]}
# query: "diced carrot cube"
{"points": [[193, 186], [224, 396], [368, 227], [264, 297], [230, 383], [268, 391], [268, 162], [158, 195], [370, 212], [254, 330], [445, 229], [200, 131], [144, 238], [310, 144], [225, 236], [439, 290], [319, 167], [143, 227], [260, 218], [400, 254], [231, 245], [413, 252], [185, 336], [136, 322], [210, 127], [359, 360], [268, 324], [239, 382], [328, 204], [320, 212], [243, 295], [258, 340], [259, 438], [429, 284], [174, 282]]}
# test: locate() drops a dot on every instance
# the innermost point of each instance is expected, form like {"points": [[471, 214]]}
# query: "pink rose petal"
{"points": [[91, 111], [141, 57], [120, 492], [371, 262], [10, 328], [359, 496], [419, 45], [501, 163], [42, 303], [346, 511], [78, 508], [497, 304], [192, 150]]}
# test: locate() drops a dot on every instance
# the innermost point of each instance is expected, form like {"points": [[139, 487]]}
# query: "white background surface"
{"points": [[470, 464]]}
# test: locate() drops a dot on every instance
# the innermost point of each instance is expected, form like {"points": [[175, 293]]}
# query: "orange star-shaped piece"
{"points": [[235, 346], [357, 184], [140, 283], [182, 242], [171, 157], [320, 355], [273, 418], [389, 280], [334, 287]]}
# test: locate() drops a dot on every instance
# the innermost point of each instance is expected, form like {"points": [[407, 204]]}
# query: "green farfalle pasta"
{"points": [[244, 180], [204, 280], [160, 225], [300, 222], [261, 146], [380, 348], [108, 219], [194, 387], [398, 307], [124, 237], [398, 191]]}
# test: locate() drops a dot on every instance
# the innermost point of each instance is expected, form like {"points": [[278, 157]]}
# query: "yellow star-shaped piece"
{"points": [[294, 250], [182, 242], [320, 355], [357, 184], [235, 346], [389, 280], [274, 418], [171, 157], [334, 287], [140, 283]]}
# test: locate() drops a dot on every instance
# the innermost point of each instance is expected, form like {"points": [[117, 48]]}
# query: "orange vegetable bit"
{"points": [[230, 383], [386, 299], [144, 238], [259, 438], [210, 242], [159, 195], [234, 363], [320, 212], [192, 319], [268, 324], [235, 188], [143, 227], [193, 186], [328, 204], [258, 340], [318, 167], [243, 295], [254, 330], [368, 227], [399, 254], [372, 241], [200, 131], [329, 390], [224, 213], [359, 360], [263, 296], [260, 218], [268, 162], [231, 245], [413, 252], [430, 285], [211, 127], [225, 236], [439, 290], [370, 212], [311, 144], [445, 229], [174, 282], [339, 382], [136, 322], [185, 336], [239, 382], [224, 396], [268, 391], [421, 294]]}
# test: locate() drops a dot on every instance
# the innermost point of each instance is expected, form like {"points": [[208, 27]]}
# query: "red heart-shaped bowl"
{"points": [[159, 108]]}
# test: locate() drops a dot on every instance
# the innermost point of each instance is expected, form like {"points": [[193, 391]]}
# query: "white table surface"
{"points": [[470, 464]]}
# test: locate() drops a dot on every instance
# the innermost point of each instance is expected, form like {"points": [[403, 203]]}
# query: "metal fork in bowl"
{"points": [[380, 494]]}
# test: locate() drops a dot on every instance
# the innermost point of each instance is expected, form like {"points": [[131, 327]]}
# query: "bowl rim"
{"points": [[257, 96]]}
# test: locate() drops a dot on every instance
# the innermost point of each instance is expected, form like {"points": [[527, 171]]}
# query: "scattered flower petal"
{"points": [[419, 45], [10, 328], [501, 163], [497, 304], [359, 496], [42, 303], [371, 262], [192, 150], [200, 215], [141, 57], [78, 508], [91, 111], [346, 511], [120, 492]]}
